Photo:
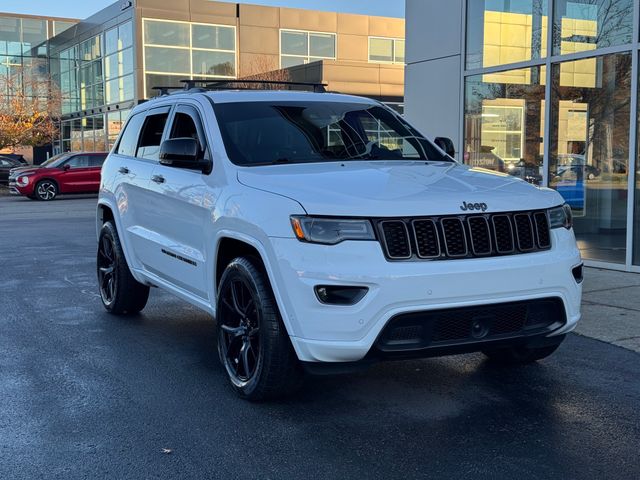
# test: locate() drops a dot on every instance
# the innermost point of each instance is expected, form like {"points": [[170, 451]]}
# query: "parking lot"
{"points": [[88, 395]]}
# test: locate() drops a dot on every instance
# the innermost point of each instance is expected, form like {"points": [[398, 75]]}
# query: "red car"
{"points": [[76, 172]]}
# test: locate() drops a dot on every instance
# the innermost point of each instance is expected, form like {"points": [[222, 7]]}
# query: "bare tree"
{"points": [[29, 108]]}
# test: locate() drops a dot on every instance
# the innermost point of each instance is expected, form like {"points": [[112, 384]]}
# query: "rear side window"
{"points": [[151, 135], [79, 161], [129, 139]]}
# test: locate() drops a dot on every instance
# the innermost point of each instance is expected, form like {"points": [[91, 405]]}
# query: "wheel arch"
{"points": [[231, 245]]}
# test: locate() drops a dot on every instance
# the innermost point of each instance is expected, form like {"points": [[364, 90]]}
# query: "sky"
{"points": [[78, 9]]}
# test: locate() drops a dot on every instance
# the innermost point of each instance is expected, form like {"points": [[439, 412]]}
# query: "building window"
{"points": [[300, 47], [589, 150], [118, 64], [504, 122], [500, 32], [174, 51], [581, 25], [386, 50]]}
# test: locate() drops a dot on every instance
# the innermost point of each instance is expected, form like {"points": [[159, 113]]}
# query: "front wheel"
{"points": [[522, 354], [46, 190], [253, 344], [119, 291]]}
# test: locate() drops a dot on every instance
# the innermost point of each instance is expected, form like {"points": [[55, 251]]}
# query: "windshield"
{"points": [[55, 161], [266, 133]]}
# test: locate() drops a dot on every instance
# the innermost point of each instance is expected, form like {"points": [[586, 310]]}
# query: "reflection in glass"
{"points": [[166, 33], [213, 37], [381, 49], [500, 32], [582, 25], [589, 151], [504, 122], [322, 45], [294, 43], [213, 63], [170, 60]]}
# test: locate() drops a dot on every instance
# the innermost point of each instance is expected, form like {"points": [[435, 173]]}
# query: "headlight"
{"points": [[330, 231], [560, 217], [22, 180]]}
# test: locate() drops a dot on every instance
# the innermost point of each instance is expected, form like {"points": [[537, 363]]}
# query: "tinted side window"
{"points": [[151, 135], [184, 126], [96, 160], [4, 163], [129, 139]]}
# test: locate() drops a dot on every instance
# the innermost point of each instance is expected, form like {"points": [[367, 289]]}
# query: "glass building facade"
{"points": [[558, 107], [24, 49], [174, 51]]}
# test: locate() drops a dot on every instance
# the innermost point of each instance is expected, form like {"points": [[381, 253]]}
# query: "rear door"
{"points": [[179, 225], [138, 152]]}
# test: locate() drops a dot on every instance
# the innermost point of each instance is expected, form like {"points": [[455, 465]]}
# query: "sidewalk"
{"points": [[611, 307]]}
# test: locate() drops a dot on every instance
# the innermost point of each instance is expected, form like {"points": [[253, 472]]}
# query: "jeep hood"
{"points": [[396, 188]]}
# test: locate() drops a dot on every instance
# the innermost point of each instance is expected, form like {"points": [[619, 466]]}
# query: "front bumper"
{"points": [[327, 333]]}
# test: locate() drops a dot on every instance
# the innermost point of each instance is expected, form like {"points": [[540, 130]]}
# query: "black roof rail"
{"points": [[244, 84], [166, 90]]}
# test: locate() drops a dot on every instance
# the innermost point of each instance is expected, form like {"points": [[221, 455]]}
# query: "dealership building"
{"points": [[545, 90], [106, 64]]}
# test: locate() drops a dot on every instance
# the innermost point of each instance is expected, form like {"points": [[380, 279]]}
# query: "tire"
{"points": [[253, 344], [522, 355], [45, 190], [119, 291]]}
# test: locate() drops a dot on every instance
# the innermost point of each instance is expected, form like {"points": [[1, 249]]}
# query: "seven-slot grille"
{"points": [[465, 236]]}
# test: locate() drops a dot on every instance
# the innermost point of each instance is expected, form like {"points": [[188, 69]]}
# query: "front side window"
{"points": [[298, 48], [265, 133]]}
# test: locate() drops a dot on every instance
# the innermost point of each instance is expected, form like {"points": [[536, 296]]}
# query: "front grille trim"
{"points": [[476, 252], [386, 246], [464, 237], [533, 239], [415, 236], [436, 238]]}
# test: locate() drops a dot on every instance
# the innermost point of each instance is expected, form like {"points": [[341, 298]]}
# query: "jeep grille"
{"points": [[464, 236]]}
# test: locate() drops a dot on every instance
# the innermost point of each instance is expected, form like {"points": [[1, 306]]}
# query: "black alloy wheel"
{"points": [[240, 327], [107, 272], [120, 292], [253, 344]]}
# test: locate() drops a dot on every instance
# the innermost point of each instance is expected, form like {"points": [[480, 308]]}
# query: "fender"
{"points": [[288, 320]]}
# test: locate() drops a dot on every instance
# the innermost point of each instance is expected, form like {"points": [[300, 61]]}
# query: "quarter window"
{"points": [[129, 140], [151, 135]]}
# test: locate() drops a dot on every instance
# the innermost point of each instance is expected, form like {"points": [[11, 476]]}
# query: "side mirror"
{"points": [[66, 167], [446, 144], [182, 153]]}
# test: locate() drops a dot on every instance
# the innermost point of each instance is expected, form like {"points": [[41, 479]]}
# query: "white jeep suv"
{"points": [[323, 232]]}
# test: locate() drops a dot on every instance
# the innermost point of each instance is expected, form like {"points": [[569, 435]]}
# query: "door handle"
{"points": [[158, 178], [123, 170]]}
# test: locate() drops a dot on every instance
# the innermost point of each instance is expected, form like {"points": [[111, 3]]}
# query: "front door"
{"points": [[182, 194]]}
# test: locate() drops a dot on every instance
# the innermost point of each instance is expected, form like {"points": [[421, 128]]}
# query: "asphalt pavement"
{"points": [[87, 395]]}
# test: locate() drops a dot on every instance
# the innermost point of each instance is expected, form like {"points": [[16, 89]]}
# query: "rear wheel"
{"points": [[46, 190], [522, 354], [253, 344], [119, 291]]}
